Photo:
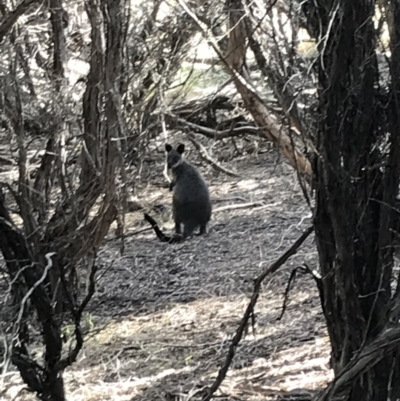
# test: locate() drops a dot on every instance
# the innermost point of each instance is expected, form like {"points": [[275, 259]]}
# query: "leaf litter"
{"points": [[163, 315]]}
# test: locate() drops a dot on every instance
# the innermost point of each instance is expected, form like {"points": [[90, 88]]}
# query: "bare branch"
{"points": [[254, 103], [59, 50], [208, 158], [250, 311]]}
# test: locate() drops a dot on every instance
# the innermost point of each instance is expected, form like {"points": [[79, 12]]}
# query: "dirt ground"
{"points": [[163, 315]]}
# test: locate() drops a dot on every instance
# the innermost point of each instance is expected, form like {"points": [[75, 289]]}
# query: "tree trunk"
{"points": [[356, 178], [55, 390]]}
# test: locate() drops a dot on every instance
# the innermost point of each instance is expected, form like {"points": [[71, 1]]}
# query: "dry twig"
{"points": [[250, 310], [208, 158]]}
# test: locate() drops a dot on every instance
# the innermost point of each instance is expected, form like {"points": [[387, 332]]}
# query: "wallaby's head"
{"points": [[174, 156]]}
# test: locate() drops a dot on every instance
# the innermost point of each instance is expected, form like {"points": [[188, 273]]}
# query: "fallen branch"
{"points": [[208, 158], [250, 311], [237, 206], [230, 198], [217, 135]]}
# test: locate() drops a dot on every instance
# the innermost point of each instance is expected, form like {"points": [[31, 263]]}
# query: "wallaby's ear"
{"points": [[181, 148], [168, 147]]}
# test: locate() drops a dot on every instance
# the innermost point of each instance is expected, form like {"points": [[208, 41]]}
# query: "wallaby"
{"points": [[191, 203]]}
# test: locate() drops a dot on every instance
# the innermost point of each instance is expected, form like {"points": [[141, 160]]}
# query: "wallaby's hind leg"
{"points": [[203, 229], [177, 221], [188, 229]]}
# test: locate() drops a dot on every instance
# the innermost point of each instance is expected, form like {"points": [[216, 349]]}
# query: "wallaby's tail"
{"points": [[160, 235]]}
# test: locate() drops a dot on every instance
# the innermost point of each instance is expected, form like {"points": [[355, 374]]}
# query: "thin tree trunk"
{"points": [[59, 50], [272, 129]]}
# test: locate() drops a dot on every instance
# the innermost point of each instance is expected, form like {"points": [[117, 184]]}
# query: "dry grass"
{"points": [[163, 315]]}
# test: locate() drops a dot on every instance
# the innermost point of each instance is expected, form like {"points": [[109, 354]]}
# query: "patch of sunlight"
{"points": [[139, 328], [384, 36], [303, 35], [309, 376], [202, 51], [76, 69], [307, 49], [248, 184], [197, 80], [121, 390]]}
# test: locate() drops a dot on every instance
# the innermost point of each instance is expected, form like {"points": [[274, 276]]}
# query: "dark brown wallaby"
{"points": [[191, 203]]}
